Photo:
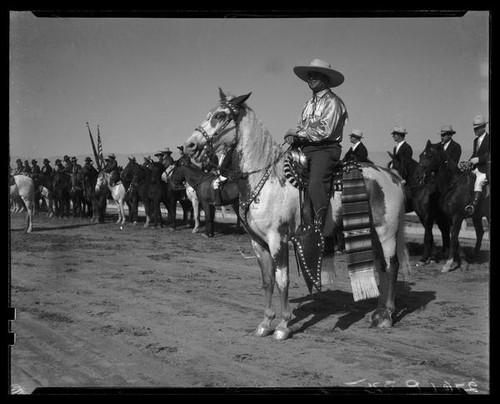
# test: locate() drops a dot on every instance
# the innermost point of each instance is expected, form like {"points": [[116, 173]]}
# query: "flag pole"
{"points": [[96, 156]]}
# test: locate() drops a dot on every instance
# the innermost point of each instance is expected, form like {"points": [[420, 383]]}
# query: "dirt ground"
{"points": [[98, 306]]}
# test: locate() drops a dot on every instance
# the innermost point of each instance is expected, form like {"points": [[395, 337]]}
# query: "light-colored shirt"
{"points": [[323, 117], [355, 145], [445, 145], [399, 145]]}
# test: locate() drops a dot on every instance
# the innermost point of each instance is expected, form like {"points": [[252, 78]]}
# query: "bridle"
{"points": [[221, 131]]}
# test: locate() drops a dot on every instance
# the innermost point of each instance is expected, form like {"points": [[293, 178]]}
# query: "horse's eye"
{"points": [[220, 115]]}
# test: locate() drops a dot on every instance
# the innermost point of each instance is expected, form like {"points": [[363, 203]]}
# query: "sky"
{"points": [[148, 82]]}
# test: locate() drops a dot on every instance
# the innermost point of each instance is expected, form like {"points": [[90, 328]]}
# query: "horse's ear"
{"points": [[237, 101], [428, 144], [390, 155], [222, 95]]}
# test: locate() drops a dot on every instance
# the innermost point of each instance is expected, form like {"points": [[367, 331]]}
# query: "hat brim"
{"points": [[399, 133], [356, 136], [479, 125], [450, 132], [335, 78]]}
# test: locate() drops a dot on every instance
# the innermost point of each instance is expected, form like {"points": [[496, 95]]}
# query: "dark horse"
{"points": [[80, 205], [136, 180], [173, 193], [455, 192], [421, 197], [156, 192], [201, 182], [61, 183], [97, 200]]}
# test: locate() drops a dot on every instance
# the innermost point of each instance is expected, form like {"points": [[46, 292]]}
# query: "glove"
{"points": [[293, 139]]}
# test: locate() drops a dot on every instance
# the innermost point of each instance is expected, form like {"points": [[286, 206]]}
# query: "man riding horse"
{"points": [[319, 134], [481, 161], [111, 167]]}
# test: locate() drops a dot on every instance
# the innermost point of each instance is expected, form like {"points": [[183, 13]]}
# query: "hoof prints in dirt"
{"points": [[114, 330]]}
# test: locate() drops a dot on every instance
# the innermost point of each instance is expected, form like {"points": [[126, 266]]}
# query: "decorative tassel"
{"points": [[364, 285]]}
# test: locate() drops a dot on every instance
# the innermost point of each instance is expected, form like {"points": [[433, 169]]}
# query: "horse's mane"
{"points": [[256, 145]]}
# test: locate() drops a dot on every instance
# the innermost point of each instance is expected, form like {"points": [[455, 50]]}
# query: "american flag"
{"points": [[99, 147]]}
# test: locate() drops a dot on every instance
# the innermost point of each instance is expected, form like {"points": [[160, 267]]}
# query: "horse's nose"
{"points": [[189, 147]]}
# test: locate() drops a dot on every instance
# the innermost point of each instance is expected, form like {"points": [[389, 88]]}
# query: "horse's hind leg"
{"points": [[454, 256], [387, 264]]}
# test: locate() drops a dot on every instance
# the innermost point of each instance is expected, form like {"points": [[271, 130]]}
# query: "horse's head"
{"points": [[219, 129], [432, 158], [101, 181]]}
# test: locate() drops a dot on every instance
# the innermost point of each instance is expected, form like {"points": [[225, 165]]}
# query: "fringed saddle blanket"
{"points": [[356, 218]]}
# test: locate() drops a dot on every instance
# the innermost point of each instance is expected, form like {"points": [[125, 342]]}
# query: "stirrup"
{"points": [[469, 210]]}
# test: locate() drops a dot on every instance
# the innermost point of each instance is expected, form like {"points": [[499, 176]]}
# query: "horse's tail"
{"points": [[401, 249]]}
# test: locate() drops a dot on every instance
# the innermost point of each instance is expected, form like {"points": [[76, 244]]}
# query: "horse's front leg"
{"points": [[268, 278], [279, 251]]}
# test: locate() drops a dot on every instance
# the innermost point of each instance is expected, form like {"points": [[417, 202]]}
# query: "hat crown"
{"points": [[357, 133], [446, 129], [479, 120], [399, 129], [320, 63]]}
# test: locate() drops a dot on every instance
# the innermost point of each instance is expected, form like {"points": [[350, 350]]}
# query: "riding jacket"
{"points": [[357, 152], [483, 153], [405, 151], [453, 151]]}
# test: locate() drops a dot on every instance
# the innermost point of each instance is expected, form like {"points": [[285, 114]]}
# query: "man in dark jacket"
{"points": [[402, 150], [452, 149], [481, 161], [46, 168], [357, 151]]}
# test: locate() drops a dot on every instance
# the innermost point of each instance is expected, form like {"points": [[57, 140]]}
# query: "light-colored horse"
{"points": [[117, 193], [24, 188], [274, 210]]}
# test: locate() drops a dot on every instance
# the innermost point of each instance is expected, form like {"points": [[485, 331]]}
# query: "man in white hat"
{"points": [[319, 132], [357, 151], [481, 161], [402, 150], [452, 149]]}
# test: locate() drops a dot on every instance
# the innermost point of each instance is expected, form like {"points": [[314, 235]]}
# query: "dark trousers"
{"points": [[322, 161]]}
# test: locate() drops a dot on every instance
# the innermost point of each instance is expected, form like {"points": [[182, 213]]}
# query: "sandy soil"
{"points": [[98, 306]]}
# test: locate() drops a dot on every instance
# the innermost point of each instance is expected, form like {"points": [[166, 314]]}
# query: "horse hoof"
{"points": [[381, 319], [281, 334], [263, 331]]}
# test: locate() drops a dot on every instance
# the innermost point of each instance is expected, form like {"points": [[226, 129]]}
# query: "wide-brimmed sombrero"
{"points": [[317, 65]]}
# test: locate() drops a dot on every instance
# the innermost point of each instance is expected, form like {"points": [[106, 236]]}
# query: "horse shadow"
{"points": [[331, 302]]}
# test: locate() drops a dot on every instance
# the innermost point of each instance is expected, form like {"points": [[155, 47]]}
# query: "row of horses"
{"points": [[85, 192]]}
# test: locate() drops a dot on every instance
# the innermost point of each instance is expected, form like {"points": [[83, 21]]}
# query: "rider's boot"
{"points": [[218, 197], [470, 209]]}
